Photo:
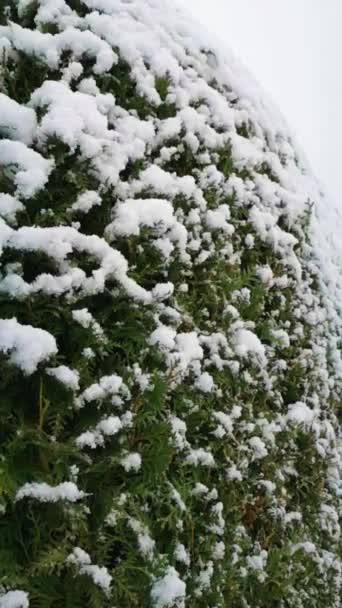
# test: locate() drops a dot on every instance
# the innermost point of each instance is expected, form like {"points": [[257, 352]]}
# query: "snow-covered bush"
{"points": [[170, 363]]}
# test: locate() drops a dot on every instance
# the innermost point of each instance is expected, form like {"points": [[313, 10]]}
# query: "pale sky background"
{"points": [[294, 49]]}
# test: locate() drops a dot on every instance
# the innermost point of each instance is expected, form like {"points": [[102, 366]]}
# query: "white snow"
{"points": [[189, 348], [131, 462], [145, 542], [247, 343], [14, 599], [305, 546], [205, 383], [233, 473], [257, 562], [73, 117], [258, 447], [86, 201], [300, 413], [183, 352], [169, 590], [108, 386], [26, 346], [49, 48], [86, 319], [200, 456], [162, 291], [266, 275], [163, 336], [105, 428], [218, 219], [99, 575], [178, 430], [199, 489], [282, 337], [9, 206], [176, 497], [83, 317], [59, 242], [69, 377], [43, 492], [16, 121], [225, 420], [181, 554], [203, 580], [32, 171], [88, 353], [219, 551], [133, 214], [249, 241], [218, 527]]}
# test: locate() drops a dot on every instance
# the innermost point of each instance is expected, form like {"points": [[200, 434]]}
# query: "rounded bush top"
{"points": [[170, 359]]}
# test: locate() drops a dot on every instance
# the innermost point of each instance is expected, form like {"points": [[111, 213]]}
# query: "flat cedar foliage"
{"points": [[173, 443]]}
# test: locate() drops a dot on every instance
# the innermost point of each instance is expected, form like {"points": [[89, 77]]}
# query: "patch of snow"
{"points": [[9, 207], [86, 201], [32, 170], [163, 336], [99, 575], [43, 492], [69, 377], [14, 599], [17, 121], [247, 343], [27, 346], [218, 219], [205, 383], [49, 48], [94, 438], [300, 413], [200, 456], [131, 462], [169, 590], [258, 448], [181, 554], [145, 542]]}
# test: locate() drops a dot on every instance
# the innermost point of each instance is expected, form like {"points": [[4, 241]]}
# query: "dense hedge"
{"points": [[168, 379]]}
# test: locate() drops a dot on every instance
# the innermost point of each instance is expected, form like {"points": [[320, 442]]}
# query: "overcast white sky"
{"points": [[294, 49]]}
